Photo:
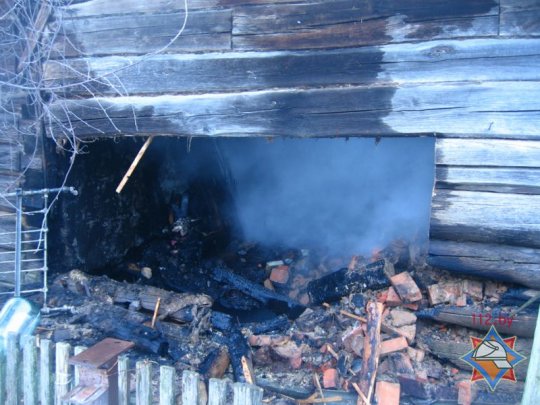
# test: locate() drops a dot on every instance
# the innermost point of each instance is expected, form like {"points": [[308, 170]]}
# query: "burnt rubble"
{"points": [[300, 324]]}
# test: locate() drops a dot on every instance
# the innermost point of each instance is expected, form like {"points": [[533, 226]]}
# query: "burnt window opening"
{"points": [[197, 213]]}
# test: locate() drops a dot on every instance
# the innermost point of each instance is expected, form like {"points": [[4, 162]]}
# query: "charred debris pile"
{"points": [[301, 325]]}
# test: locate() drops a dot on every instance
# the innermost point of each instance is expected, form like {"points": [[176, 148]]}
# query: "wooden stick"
{"points": [[360, 393], [156, 310], [318, 385], [134, 164], [248, 374], [372, 350], [346, 313]]}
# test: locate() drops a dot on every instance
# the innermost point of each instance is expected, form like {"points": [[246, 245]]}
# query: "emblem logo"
{"points": [[493, 358]]}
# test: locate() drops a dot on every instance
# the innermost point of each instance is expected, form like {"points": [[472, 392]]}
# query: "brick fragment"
{"points": [[393, 345], [280, 274], [461, 301], [401, 317], [392, 298], [416, 355], [387, 393], [331, 378], [406, 288], [473, 289], [445, 293], [408, 331], [464, 392]]}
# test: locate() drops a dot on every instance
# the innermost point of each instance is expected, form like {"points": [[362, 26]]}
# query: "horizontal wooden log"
{"points": [[99, 8], [509, 109], [486, 217], [350, 23], [520, 17], [522, 324], [497, 262], [433, 62], [141, 34], [487, 152], [499, 180]]}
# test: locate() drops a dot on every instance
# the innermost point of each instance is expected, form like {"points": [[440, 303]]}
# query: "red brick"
{"points": [[408, 331], [295, 362], [382, 296], [280, 274], [401, 317], [464, 392], [393, 345], [406, 288], [443, 293], [387, 393], [473, 289], [331, 378], [392, 298]]}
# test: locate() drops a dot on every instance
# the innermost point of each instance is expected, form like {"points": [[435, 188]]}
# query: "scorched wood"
{"points": [[344, 281]]}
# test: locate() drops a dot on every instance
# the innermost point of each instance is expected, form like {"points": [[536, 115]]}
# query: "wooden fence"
{"points": [[36, 374]]}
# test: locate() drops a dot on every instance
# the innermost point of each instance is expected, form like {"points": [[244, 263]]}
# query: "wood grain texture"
{"points": [[348, 23], [520, 18], [497, 262], [433, 62], [486, 217], [140, 34]]}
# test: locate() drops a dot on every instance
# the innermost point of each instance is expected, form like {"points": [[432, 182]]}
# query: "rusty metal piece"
{"points": [[101, 354]]}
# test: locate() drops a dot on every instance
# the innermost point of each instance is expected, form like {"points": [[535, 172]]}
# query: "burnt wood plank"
{"points": [[434, 61], [497, 109], [497, 262], [520, 17], [352, 23], [141, 34], [486, 217]]}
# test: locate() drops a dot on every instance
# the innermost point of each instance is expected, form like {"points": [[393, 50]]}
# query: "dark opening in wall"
{"points": [[337, 196]]}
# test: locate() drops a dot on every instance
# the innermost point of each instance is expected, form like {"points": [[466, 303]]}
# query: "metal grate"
{"points": [[23, 252]]}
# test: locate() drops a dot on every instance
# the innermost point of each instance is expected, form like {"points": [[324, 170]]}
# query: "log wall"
{"points": [[465, 71]]}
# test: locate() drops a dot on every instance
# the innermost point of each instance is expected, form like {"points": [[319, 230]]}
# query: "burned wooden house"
{"points": [[205, 98]]}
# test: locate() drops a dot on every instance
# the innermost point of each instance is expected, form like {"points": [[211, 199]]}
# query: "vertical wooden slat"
{"points": [[123, 380], [531, 395], [166, 385], [30, 375], [190, 387], [247, 394], [76, 372], [144, 383], [218, 391], [2, 378], [45, 372], [12, 369], [61, 386]]}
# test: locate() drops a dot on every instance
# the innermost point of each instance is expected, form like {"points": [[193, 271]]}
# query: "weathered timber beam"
{"points": [[509, 109], [498, 180], [143, 33], [487, 152], [433, 62], [486, 217], [348, 23], [477, 318], [497, 262]]}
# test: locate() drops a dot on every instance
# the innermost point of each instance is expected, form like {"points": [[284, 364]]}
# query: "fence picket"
{"points": [[167, 395], [144, 383], [247, 394], [12, 369], [61, 386], [218, 391], [30, 378], [123, 380], [45, 372]]}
